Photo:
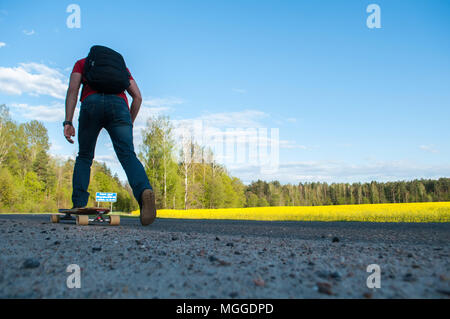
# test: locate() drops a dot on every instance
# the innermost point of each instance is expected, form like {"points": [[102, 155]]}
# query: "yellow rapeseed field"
{"points": [[409, 212]]}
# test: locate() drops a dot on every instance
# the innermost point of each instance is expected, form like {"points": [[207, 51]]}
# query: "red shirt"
{"points": [[78, 68]]}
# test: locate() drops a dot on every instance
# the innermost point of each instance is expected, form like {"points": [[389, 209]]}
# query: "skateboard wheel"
{"points": [[82, 220], [114, 220], [54, 218]]}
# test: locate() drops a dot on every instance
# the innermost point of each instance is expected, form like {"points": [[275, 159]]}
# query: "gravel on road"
{"points": [[222, 259]]}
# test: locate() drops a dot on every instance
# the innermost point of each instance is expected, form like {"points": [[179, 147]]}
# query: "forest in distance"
{"points": [[32, 180]]}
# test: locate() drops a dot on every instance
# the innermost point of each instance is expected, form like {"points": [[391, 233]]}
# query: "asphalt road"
{"points": [[222, 259]]}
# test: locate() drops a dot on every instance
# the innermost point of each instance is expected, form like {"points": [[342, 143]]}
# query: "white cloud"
{"points": [[429, 148], [242, 91], [146, 112], [240, 119], [152, 107], [292, 145], [336, 171], [33, 78], [162, 102], [140, 123], [28, 32], [55, 147], [2, 44], [291, 120], [44, 113], [109, 159]]}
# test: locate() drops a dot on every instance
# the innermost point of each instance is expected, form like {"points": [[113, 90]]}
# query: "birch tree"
{"points": [[4, 118]]}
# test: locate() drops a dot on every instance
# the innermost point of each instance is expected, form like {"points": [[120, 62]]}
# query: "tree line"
{"points": [[261, 193], [183, 176], [31, 180]]}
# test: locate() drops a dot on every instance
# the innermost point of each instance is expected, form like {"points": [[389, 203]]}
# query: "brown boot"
{"points": [[148, 207]]}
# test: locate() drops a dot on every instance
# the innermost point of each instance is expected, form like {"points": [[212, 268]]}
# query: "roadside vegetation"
{"points": [[406, 212], [183, 178]]}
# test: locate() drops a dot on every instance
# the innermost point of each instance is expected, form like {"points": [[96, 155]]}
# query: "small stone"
{"points": [[237, 252], [335, 240], [336, 275], [367, 295], [94, 249], [259, 282], [217, 238], [230, 245], [233, 294], [56, 243], [224, 263], [31, 263], [174, 238], [324, 288], [212, 258], [409, 277]]}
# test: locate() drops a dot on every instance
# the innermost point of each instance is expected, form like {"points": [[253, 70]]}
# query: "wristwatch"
{"points": [[67, 122]]}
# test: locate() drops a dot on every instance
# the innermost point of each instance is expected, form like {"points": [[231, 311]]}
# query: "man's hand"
{"points": [[135, 93], [71, 102], [69, 131]]}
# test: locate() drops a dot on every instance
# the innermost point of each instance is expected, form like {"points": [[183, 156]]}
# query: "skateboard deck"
{"points": [[95, 215]]}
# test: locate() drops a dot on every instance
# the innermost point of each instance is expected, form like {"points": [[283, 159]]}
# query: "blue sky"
{"points": [[351, 103]]}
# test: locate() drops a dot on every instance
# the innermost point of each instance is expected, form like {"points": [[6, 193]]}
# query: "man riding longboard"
{"points": [[105, 78]]}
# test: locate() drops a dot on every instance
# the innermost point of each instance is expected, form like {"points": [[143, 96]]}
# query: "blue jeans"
{"points": [[110, 112]]}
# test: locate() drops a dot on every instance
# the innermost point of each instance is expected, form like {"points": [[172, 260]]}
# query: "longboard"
{"points": [[96, 215]]}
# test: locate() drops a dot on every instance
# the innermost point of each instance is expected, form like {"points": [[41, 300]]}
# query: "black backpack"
{"points": [[105, 71]]}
